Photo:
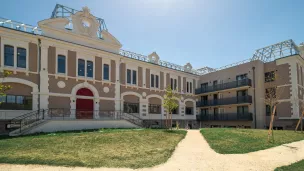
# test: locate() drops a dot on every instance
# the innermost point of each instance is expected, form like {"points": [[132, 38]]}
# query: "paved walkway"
{"points": [[194, 153]]}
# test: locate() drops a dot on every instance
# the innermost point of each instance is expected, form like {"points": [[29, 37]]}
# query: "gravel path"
{"points": [[194, 153]]}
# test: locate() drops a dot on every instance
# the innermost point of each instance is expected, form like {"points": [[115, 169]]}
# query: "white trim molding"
{"points": [[28, 83], [162, 102], [74, 98]]}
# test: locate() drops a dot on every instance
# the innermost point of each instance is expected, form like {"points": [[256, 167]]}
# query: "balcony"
{"points": [[225, 101], [225, 117], [224, 86]]}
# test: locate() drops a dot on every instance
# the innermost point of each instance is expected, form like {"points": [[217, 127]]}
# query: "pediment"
{"points": [[153, 57], [83, 29], [108, 37], [57, 23]]}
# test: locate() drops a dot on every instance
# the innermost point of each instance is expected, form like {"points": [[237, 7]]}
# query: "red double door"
{"points": [[84, 107]]}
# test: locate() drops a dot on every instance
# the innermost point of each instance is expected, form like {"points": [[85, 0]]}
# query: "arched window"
{"points": [[8, 55]]}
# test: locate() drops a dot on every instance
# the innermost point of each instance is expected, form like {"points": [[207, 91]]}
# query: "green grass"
{"points": [[237, 141], [299, 166], [106, 148]]}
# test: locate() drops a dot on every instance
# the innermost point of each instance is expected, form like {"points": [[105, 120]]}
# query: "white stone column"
{"points": [[144, 108], [118, 101], [73, 108], [44, 78], [96, 108], [294, 88]]}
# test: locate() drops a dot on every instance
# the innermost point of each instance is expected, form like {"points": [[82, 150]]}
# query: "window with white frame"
{"points": [[131, 76], [90, 68], [85, 68], [21, 57], [61, 64], [8, 55], [189, 87], [154, 81], [106, 72], [81, 67], [173, 84]]}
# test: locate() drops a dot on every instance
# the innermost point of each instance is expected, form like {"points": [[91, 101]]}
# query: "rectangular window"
{"points": [[16, 102], [19, 99], [152, 80], [269, 76], [156, 81], [106, 72], [190, 87], [81, 67], [90, 68], [61, 64], [131, 77], [8, 55], [204, 111], [216, 113], [204, 100], [131, 107], [128, 76], [134, 79], [241, 79], [175, 111], [175, 84], [2, 99], [187, 87], [189, 110], [154, 109], [171, 83], [10, 99], [204, 87], [242, 109], [21, 58]]}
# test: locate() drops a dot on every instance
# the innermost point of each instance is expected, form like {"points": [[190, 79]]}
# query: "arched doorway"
{"points": [[84, 107]]}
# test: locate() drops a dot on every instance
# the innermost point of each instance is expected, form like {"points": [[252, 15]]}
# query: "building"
{"points": [[71, 67]]}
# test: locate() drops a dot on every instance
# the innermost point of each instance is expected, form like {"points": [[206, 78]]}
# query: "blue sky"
{"points": [[210, 33]]}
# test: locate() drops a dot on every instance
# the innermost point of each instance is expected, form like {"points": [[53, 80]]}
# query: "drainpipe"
{"points": [[39, 67], [254, 99]]}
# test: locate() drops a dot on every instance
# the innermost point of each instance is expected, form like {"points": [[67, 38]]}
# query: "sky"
{"points": [[211, 33]]}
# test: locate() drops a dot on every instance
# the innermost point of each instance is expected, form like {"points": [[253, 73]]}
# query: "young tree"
{"points": [[272, 97], [3, 87], [169, 104], [300, 105]]}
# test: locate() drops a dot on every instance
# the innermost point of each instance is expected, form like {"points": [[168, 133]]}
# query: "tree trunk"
{"points": [[300, 122], [270, 131], [170, 120]]}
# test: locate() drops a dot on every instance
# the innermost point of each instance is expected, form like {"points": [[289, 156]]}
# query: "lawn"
{"points": [[299, 166], [105, 148], [236, 141]]}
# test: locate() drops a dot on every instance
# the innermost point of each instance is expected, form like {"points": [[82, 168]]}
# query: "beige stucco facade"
{"points": [[51, 89]]}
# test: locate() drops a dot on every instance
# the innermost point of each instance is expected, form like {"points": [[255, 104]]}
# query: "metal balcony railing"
{"points": [[225, 101], [225, 117], [224, 86]]}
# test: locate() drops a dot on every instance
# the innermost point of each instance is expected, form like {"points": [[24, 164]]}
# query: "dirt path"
{"points": [[194, 153]]}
